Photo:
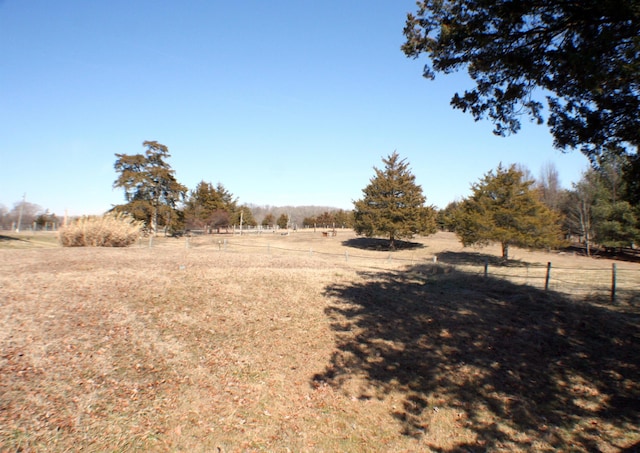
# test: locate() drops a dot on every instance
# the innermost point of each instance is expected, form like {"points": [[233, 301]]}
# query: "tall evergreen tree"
{"points": [[208, 206], [244, 215], [446, 217], [616, 221], [283, 221], [343, 219], [393, 204], [595, 211], [202, 202], [269, 220], [616, 225], [151, 189], [503, 208]]}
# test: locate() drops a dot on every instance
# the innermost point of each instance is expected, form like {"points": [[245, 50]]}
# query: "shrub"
{"points": [[110, 230]]}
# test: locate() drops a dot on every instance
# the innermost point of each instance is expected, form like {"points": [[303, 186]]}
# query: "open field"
{"points": [[27, 240], [310, 343]]}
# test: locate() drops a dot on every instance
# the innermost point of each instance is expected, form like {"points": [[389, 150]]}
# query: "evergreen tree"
{"points": [[310, 221], [595, 211], [616, 225], [446, 217], [283, 221], [583, 56], [616, 222], [46, 220], [228, 202], [503, 208], [201, 204], [393, 204], [210, 207], [247, 217], [151, 189], [343, 219], [631, 174], [269, 220], [325, 220]]}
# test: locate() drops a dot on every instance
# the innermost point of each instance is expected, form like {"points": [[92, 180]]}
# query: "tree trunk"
{"points": [[585, 225], [392, 242], [154, 219]]}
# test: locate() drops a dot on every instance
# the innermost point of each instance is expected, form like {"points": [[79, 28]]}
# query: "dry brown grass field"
{"points": [[309, 343]]}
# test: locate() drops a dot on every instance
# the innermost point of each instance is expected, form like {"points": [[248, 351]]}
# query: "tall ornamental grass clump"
{"points": [[110, 230]]}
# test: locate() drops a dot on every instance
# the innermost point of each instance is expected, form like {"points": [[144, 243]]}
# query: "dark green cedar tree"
{"points": [[269, 220], [283, 221], [210, 207], [248, 220], [393, 204], [616, 224], [503, 208]]}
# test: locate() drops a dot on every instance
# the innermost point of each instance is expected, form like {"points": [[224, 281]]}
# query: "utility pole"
{"points": [[24, 199], [241, 212]]}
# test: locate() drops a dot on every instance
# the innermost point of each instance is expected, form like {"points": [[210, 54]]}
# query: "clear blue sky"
{"points": [[284, 102]]}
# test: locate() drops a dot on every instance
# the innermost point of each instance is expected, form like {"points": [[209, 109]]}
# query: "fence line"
{"points": [[616, 283]]}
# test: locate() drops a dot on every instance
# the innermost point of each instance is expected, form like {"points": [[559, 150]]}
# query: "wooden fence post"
{"points": [[546, 281], [486, 268], [613, 283]]}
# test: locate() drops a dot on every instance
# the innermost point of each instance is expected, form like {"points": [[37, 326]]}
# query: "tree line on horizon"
{"points": [[507, 206], [154, 196], [582, 57]]}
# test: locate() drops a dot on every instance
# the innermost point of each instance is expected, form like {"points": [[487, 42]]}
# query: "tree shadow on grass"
{"points": [[477, 259], [520, 368], [378, 244], [4, 238]]}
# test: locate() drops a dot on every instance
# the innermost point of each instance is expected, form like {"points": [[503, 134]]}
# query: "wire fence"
{"points": [[617, 283]]}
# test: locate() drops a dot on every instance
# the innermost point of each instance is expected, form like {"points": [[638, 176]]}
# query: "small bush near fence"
{"points": [[110, 230]]}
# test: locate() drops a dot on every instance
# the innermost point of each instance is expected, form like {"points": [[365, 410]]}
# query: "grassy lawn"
{"points": [[24, 240], [244, 345]]}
